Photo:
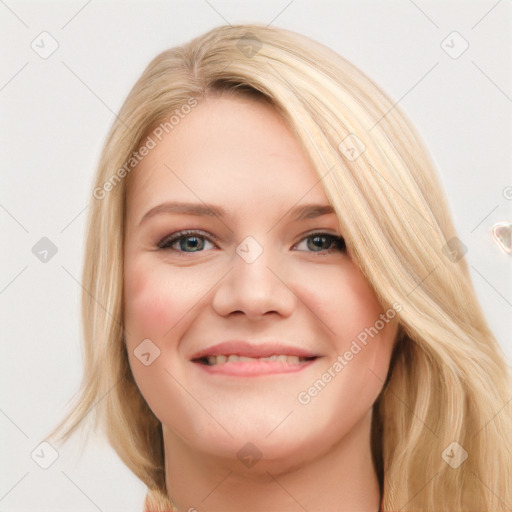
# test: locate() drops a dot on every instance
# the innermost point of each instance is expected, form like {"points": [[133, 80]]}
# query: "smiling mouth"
{"points": [[227, 359], [241, 358]]}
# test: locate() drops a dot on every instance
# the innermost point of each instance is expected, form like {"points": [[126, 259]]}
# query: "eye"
{"points": [[189, 241], [185, 241], [323, 242]]}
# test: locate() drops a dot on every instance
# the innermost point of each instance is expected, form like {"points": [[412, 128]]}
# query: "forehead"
{"points": [[233, 151]]}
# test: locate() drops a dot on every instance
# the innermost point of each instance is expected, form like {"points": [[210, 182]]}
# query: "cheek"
{"points": [[345, 301], [354, 314], [154, 301]]}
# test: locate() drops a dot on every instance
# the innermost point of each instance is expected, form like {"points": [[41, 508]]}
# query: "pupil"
{"points": [[196, 243], [320, 239]]}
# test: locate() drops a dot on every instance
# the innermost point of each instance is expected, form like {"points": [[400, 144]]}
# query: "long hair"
{"points": [[441, 431]]}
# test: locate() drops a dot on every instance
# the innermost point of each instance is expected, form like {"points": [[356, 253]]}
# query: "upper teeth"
{"points": [[220, 359]]}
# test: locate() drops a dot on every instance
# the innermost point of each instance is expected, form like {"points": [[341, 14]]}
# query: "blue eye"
{"points": [[194, 241], [324, 242], [185, 240]]}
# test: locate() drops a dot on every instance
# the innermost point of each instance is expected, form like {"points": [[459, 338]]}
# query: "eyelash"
{"points": [[169, 240]]}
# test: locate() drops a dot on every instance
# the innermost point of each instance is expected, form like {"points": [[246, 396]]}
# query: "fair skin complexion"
{"points": [[291, 290]]}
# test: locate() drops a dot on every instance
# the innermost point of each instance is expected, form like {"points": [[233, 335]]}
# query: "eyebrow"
{"points": [[308, 211]]}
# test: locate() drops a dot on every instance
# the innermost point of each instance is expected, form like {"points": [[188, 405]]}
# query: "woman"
{"points": [[276, 309]]}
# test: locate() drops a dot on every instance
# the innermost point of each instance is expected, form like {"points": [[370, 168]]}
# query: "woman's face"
{"points": [[245, 316]]}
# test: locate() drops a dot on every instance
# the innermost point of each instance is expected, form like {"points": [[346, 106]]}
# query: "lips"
{"points": [[243, 358], [232, 358]]}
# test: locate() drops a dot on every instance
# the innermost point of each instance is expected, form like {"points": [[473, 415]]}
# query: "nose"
{"points": [[254, 287]]}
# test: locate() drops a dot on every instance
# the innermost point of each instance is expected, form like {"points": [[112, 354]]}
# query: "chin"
{"points": [[253, 450]]}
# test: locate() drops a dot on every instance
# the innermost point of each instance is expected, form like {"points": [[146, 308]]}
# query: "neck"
{"points": [[342, 479]]}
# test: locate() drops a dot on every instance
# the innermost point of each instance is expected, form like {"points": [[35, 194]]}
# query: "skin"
{"points": [[238, 153]]}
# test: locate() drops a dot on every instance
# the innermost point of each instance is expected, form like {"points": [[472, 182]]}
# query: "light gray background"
{"points": [[55, 114]]}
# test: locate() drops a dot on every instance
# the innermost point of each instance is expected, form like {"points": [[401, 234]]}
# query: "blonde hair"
{"points": [[448, 379]]}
